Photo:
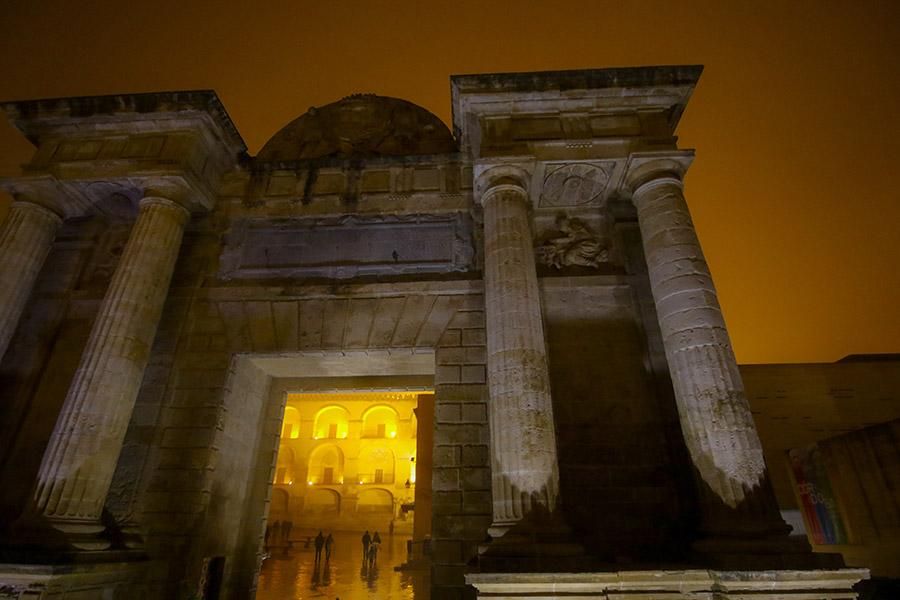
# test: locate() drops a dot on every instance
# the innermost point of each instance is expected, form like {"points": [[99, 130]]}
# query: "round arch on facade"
{"points": [[326, 466], [290, 428], [380, 421], [331, 422], [323, 500], [376, 465], [375, 500]]}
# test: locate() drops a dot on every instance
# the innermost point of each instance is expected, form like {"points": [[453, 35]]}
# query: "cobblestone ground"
{"points": [[294, 574]]}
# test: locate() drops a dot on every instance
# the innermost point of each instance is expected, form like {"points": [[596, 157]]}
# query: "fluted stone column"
{"points": [[715, 417], [81, 457], [25, 241], [523, 440]]}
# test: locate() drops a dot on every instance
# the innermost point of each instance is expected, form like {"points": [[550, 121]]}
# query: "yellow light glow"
{"points": [[393, 434], [309, 483]]}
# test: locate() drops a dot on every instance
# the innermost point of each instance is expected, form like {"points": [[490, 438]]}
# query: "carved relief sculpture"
{"points": [[574, 245]]}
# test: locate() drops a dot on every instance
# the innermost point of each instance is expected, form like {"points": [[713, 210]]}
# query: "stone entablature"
{"points": [[115, 147]]}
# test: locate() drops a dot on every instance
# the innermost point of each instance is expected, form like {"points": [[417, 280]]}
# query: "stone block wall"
{"points": [[461, 478], [616, 474]]}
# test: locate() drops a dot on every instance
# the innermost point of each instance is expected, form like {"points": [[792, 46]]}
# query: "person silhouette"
{"points": [[329, 544], [320, 541], [366, 540]]}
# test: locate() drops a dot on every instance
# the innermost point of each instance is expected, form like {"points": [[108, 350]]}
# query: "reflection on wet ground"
{"points": [[294, 574]]}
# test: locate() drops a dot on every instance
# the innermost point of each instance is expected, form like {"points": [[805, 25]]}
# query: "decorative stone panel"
{"points": [[348, 246]]}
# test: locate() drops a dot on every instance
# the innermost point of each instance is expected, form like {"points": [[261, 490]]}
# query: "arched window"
{"points": [[284, 467], [326, 466], [380, 422], [278, 507], [322, 501], [376, 465], [332, 422], [375, 501], [291, 427]]}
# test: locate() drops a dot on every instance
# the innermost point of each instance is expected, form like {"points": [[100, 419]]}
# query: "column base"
{"points": [[835, 584], [35, 540], [780, 552], [541, 542]]}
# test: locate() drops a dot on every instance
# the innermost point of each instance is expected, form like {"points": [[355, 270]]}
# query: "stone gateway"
{"points": [[533, 277]]}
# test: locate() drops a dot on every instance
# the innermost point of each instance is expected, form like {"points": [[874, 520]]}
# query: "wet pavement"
{"points": [[294, 574]]}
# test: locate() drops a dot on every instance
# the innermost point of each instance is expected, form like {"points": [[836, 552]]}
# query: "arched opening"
{"points": [[290, 430], [284, 468], [323, 500], [375, 500], [376, 465], [380, 422], [326, 466], [332, 422]]}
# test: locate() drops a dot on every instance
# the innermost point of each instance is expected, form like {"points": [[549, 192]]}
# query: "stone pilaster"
{"points": [[736, 498], [83, 450], [523, 440], [25, 241]]}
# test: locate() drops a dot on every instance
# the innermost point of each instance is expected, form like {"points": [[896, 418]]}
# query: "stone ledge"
{"points": [[89, 580], [688, 584]]}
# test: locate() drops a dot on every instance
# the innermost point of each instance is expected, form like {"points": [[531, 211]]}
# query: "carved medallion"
{"points": [[573, 185]]}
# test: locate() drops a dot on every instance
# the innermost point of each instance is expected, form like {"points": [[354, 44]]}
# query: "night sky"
{"points": [[796, 120]]}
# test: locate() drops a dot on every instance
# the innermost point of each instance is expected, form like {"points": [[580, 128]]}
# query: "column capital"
{"points": [[492, 176], [642, 168], [154, 199], [43, 191], [27, 203]]}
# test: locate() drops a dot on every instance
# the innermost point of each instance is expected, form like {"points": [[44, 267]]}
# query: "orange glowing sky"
{"points": [[796, 120]]}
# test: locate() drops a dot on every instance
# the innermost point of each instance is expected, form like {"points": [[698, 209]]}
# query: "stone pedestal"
{"points": [[81, 456], [95, 581], [672, 585], [25, 241], [737, 503]]}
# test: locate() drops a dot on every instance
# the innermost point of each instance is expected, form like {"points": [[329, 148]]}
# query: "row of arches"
{"points": [[326, 466], [333, 422], [324, 500]]}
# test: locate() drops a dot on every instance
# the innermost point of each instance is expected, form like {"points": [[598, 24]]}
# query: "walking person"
{"points": [[320, 541], [329, 544], [284, 532], [287, 535], [366, 540], [373, 554], [376, 544]]}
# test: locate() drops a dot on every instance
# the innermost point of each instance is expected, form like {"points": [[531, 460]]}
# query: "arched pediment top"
{"points": [[358, 126]]}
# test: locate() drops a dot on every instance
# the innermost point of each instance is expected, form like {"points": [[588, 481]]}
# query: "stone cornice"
{"points": [[494, 114], [52, 116]]}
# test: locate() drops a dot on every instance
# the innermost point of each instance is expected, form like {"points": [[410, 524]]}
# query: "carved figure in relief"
{"points": [[576, 245]]}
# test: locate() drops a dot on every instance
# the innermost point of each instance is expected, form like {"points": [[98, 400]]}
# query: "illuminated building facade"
{"points": [[347, 462], [168, 301]]}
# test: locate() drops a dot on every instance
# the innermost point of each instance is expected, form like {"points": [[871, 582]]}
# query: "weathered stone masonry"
{"points": [[537, 266]]}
